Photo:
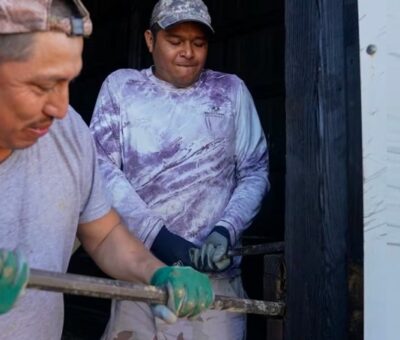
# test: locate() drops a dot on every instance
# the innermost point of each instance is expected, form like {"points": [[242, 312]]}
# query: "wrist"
{"points": [[153, 268], [171, 248], [223, 231], [155, 273]]}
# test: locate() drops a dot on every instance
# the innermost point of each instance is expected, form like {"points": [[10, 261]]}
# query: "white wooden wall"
{"points": [[380, 83]]}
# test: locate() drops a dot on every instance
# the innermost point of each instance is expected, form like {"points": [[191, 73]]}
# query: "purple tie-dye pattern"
{"points": [[191, 158]]}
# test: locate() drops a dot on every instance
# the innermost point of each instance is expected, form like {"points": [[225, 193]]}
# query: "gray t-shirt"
{"points": [[46, 191]]}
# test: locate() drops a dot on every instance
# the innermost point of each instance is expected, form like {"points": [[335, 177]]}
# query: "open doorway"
{"points": [[249, 42]]}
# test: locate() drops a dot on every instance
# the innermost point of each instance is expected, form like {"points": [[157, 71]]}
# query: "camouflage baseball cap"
{"points": [[24, 16], [170, 12]]}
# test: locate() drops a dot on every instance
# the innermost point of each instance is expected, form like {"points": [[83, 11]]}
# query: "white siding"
{"points": [[380, 83]]}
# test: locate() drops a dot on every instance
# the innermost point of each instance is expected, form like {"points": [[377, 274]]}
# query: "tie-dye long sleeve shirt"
{"points": [[189, 159]]}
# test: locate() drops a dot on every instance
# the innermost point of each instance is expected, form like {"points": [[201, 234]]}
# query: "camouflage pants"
{"points": [[134, 321]]}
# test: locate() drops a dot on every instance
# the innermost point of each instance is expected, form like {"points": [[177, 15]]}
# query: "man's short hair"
{"points": [[20, 20], [15, 47], [154, 31]]}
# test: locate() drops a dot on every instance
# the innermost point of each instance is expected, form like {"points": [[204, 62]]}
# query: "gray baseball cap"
{"points": [[24, 16], [169, 12]]}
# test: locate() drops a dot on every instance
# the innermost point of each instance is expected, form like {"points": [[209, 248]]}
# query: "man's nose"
{"points": [[188, 50], [57, 103]]}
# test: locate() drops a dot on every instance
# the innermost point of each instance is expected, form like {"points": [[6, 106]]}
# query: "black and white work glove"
{"points": [[212, 256]]}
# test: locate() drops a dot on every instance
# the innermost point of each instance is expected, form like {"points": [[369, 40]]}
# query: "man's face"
{"points": [[179, 53], [35, 91]]}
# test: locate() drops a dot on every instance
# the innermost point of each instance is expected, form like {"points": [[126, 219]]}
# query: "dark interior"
{"points": [[249, 42]]}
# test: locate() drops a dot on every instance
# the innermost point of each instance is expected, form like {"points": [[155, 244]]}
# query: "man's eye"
{"points": [[45, 88], [200, 44], [174, 42]]}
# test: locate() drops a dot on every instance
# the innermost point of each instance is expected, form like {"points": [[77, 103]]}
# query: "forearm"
{"points": [[244, 204], [251, 153], [124, 257], [116, 251], [138, 217]]}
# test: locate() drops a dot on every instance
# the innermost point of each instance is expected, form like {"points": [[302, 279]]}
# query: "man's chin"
{"points": [[6, 151], [183, 83], [4, 154], [25, 144]]}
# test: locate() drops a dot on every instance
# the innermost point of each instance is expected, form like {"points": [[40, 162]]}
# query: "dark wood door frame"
{"points": [[323, 208]]}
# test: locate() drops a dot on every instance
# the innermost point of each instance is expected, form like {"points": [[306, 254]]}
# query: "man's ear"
{"points": [[148, 36]]}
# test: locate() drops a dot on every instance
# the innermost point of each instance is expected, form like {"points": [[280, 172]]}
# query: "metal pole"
{"points": [[122, 290]]}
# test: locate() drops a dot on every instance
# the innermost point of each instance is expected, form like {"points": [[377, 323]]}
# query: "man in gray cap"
{"points": [[185, 160], [51, 189]]}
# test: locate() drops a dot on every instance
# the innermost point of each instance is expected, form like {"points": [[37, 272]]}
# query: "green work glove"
{"points": [[212, 256], [189, 292], [14, 274]]}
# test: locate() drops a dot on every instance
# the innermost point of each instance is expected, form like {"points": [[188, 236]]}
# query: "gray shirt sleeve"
{"points": [[95, 202]]}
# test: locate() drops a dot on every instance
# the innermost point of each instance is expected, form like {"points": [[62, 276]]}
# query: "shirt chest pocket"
{"points": [[219, 121]]}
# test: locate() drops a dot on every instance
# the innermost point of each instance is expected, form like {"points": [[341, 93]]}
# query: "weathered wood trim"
{"points": [[320, 173], [274, 290], [355, 248]]}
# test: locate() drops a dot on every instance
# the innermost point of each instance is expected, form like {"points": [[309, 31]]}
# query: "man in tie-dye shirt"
{"points": [[185, 161]]}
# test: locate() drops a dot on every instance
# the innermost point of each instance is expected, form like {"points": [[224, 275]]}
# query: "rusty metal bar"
{"points": [[122, 290], [258, 249]]}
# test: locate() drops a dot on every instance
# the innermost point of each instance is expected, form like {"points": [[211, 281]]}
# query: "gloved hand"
{"points": [[14, 274], [171, 248], [212, 255], [189, 292]]}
